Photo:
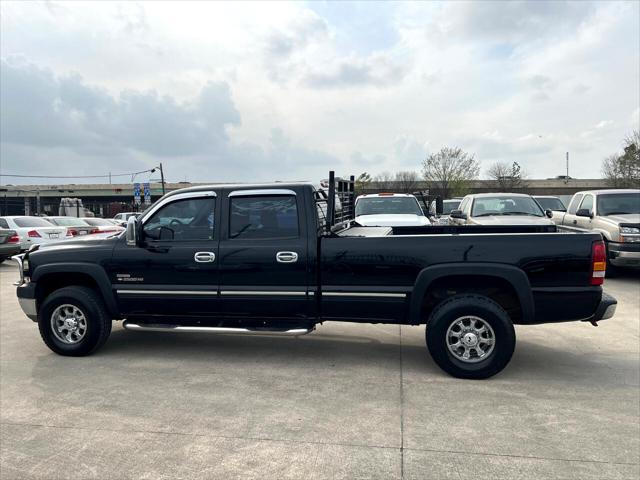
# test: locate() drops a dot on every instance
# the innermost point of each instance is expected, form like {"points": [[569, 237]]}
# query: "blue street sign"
{"points": [[147, 192]]}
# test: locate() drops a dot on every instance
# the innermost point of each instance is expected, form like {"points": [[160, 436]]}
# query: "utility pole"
{"points": [[566, 179], [162, 178]]}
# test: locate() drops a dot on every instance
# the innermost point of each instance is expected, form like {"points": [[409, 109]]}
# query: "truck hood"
{"points": [[626, 218], [86, 241], [392, 220], [512, 220]]}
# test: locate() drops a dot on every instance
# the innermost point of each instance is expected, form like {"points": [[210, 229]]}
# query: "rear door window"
{"points": [[262, 217]]}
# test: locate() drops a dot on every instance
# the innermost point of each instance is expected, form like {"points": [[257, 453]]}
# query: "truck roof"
{"points": [[610, 191], [369, 195], [243, 186], [498, 194]]}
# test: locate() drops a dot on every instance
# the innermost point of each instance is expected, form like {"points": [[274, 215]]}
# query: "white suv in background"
{"points": [[389, 210]]}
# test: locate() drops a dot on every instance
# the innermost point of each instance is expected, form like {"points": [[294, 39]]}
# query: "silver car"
{"points": [[500, 209]]}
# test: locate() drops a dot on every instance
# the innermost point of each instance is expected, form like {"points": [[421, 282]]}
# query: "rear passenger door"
{"points": [[263, 255]]}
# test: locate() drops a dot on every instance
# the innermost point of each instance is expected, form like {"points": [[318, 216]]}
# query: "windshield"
{"points": [[551, 203], [618, 204], [489, 206], [450, 205], [31, 222], [387, 206], [69, 222]]}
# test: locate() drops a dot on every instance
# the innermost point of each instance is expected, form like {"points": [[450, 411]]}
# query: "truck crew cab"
{"points": [[252, 259]]}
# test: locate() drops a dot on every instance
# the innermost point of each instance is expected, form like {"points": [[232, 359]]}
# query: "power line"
{"points": [[151, 170]]}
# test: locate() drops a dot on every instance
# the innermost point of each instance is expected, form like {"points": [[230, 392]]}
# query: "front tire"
{"points": [[73, 321], [470, 336]]}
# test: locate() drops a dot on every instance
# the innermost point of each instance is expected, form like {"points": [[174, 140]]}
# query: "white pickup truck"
{"points": [[389, 210], [615, 214]]}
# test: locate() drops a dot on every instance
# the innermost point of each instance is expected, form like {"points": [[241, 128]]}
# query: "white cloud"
{"points": [[289, 90]]}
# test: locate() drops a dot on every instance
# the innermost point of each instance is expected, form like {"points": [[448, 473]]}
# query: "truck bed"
{"points": [[358, 231]]}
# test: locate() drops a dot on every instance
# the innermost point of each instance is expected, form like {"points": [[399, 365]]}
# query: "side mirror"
{"points": [[548, 213], [132, 231], [439, 206], [457, 214], [583, 212]]}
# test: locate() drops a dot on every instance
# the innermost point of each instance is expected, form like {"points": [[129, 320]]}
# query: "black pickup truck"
{"points": [[274, 259]]}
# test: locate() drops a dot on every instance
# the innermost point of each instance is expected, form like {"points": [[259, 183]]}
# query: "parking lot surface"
{"points": [[347, 401]]}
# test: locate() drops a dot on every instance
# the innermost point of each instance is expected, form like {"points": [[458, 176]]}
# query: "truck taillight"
{"points": [[33, 234], [71, 232], [598, 262], [14, 239], [94, 230]]}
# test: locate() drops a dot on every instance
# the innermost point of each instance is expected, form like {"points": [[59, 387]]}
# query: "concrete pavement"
{"points": [[347, 401]]}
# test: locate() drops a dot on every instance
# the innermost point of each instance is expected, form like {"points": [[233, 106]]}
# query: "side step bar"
{"points": [[154, 327]]}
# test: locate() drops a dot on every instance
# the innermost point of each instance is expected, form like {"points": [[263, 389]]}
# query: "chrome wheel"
{"points": [[470, 339], [68, 323]]}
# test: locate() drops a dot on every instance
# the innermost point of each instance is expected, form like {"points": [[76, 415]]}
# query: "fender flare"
{"points": [[96, 272], [513, 275]]}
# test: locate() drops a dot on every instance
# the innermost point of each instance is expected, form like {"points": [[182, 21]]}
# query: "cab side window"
{"points": [[3, 223], [261, 217], [587, 203], [183, 220], [573, 206]]}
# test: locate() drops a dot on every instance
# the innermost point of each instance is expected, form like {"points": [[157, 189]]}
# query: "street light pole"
{"points": [[162, 178]]}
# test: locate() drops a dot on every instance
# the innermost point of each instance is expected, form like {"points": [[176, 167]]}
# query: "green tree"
{"points": [[362, 182]]}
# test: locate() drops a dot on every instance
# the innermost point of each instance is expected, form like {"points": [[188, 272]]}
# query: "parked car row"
{"points": [[23, 231], [615, 214]]}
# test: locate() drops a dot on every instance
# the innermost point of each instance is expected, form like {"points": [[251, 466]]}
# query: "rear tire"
{"points": [[471, 326], [73, 321]]}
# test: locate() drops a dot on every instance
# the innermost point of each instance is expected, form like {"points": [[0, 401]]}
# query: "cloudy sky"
{"points": [[266, 91]]}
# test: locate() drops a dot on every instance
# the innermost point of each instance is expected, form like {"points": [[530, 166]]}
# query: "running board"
{"points": [[155, 327]]}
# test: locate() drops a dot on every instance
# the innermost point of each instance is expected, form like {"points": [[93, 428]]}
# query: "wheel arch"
{"points": [[496, 274], [58, 275]]}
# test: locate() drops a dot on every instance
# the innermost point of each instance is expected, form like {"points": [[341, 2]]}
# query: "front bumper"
{"points": [[624, 254], [606, 309], [27, 299]]}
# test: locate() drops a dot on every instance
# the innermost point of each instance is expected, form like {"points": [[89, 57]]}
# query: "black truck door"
{"points": [[175, 269], [263, 255]]}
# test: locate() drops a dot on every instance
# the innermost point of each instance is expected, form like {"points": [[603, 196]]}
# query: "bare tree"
{"points": [[406, 181], [623, 170], [450, 170], [384, 181], [507, 177]]}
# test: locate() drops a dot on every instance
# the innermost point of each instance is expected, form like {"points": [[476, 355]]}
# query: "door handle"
{"points": [[204, 257], [286, 257], [575, 222]]}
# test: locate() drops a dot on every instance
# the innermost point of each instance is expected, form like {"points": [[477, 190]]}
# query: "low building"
{"points": [[106, 200]]}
